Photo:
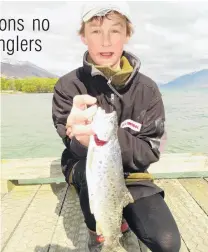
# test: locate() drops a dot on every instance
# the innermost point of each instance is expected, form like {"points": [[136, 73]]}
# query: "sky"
{"points": [[170, 38]]}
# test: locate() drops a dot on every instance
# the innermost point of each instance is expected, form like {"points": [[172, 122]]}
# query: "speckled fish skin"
{"points": [[108, 194]]}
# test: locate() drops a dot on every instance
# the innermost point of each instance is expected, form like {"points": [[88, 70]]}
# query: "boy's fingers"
{"points": [[90, 112], [82, 130], [79, 116], [80, 101], [74, 117], [68, 131]]}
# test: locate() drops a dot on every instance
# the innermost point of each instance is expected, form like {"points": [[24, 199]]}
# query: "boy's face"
{"points": [[106, 41]]}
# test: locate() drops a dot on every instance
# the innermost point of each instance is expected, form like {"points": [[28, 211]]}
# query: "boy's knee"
{"points": [[79, 174], [169, 242]]}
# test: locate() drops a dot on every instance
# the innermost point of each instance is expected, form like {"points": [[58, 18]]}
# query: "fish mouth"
{"points": [[98, 141]]}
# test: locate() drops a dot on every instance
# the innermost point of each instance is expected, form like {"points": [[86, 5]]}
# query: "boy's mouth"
{"points": [[106, 55]]}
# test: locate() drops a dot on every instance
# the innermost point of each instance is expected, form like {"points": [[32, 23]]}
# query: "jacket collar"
{"points": [[93, 71]]}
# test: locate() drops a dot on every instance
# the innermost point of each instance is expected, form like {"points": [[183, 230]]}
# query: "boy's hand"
{"points": [[79, 120]]}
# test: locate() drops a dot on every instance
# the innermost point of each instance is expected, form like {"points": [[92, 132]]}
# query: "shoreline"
{"points": [[20, 92], [11, 92]]}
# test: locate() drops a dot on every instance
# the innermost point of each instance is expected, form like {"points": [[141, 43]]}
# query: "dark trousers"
{"points": [[149, 217]]}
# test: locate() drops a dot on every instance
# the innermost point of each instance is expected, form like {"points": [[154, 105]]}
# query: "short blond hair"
{"points": [[129, 27]]}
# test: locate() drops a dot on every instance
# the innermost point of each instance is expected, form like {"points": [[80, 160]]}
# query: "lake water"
{"points": [[28, 131]]}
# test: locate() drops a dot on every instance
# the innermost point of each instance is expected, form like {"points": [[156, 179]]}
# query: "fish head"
{"points": [[105, 125]]}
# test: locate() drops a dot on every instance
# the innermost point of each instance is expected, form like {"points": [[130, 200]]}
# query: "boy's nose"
{"points": [[106, 41]]}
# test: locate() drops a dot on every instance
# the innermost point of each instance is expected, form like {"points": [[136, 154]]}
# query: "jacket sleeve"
{"points": [[62, 102], [140, 150]]}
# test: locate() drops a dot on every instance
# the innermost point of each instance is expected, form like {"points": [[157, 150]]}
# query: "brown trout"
{"points": [[108, 194]]}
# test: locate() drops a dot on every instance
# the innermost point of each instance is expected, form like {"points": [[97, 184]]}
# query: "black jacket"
{"points": [[139, 108]]}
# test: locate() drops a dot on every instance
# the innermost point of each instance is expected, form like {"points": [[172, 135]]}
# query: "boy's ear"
{"points": [[127, 39], [83, 38]]}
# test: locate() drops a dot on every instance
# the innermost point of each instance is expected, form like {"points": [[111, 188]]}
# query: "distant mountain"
{"points": [[22, 69], [192, 80]]}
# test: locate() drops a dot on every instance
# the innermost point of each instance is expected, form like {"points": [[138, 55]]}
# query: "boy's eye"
{"points": [[115, 31], [96, 31]]}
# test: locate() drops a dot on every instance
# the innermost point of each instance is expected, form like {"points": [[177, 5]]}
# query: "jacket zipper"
{"points": [[112, 97], [112, 88], [112, 101], [109, 84]]}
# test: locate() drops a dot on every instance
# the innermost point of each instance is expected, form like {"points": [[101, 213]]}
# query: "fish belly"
{"points": [[108, 190]]}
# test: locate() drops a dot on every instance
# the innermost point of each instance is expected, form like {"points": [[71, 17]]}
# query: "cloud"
{"points": [[170, 37]]}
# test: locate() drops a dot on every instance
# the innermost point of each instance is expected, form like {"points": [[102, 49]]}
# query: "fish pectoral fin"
{"points": [[90, 157], [98, 228], [91, 206], [127, 199]]}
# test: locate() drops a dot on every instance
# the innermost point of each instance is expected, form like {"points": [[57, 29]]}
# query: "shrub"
{"points": [[29, 85]]}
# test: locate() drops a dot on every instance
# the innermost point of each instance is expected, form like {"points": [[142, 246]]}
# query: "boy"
{"points": [[110, 78]]}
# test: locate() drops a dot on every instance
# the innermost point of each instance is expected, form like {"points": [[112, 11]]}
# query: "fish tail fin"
{"points": [[117, 248], [112, 246]]}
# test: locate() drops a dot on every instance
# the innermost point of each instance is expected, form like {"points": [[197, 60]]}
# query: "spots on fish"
{"points": [[107, 183]]}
